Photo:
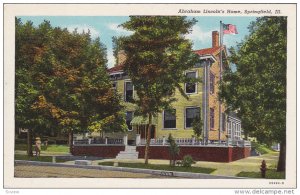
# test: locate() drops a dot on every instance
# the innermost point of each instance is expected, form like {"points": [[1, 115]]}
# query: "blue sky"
{"points": [[107, 26]]}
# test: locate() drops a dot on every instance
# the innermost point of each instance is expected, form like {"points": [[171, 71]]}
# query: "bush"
{"points": [[187, 161]]}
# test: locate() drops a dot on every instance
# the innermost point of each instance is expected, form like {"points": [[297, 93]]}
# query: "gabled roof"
{"points": [[206, 51], [117, 68]]}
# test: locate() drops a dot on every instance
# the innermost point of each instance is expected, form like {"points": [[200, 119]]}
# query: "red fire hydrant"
{"points": [[263, 169]]}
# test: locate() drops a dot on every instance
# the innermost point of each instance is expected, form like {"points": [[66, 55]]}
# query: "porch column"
{"points": [[138, 139], [125, 140], [164, 141], [106, 140]]}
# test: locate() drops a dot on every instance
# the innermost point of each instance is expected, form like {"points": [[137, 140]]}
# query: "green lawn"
{"points": [[51, 148], [34, 158], [263, 149], [161, 167], [270, 174]]}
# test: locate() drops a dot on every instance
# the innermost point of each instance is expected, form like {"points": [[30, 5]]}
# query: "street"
{"points": [[33, 171]]}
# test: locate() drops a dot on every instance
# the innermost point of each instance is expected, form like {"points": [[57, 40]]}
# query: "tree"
{"points": [[197, 127], [118, 45], [257, 89], [66, 82], [157, 56], [174, 150]]}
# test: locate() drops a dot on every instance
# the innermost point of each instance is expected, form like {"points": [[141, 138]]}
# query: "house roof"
{"points": [[117, 68], [206, 51]]}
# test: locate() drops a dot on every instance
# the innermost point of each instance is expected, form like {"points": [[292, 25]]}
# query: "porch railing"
{"points": [[163, 141]]}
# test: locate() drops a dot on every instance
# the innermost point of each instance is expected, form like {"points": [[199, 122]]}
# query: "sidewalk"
{"points": [[44, 153], [250, 164]]}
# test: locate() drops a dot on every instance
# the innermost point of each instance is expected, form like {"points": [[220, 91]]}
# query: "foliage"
{"points": [[118, 45], [40, 158], [261, 148], [174, 150], [62, 81], [270, 174], [187, 161], [197, 127], [257, 89], [162, 167], [157, 56]]}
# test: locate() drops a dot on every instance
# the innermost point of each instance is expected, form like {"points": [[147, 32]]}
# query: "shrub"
{"points": [[187, 161]]}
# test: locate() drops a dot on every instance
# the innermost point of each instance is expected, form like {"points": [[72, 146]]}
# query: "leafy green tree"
{"points": [[197, 127], [174, 150], [257, 89], [66, 82], [157, 56], [118, 45]]}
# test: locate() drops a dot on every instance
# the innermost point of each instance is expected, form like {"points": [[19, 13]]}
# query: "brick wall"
{"points": [[212, 154], [97, 150]]}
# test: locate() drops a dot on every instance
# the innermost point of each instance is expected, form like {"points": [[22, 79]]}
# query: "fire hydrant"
{"points": [[263, 169]]}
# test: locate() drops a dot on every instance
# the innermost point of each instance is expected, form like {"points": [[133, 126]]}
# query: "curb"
{"points": [[132, 170]]}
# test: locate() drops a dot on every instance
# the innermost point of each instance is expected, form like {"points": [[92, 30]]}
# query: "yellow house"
{"points": [[203, 101]]}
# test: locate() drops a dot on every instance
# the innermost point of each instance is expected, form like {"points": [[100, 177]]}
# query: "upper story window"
{"points": [[212, 118], [129, 116], [223, 122], [128, 91], [169, 119], [212, 83], [191, 114], [191, 87], [115, 85]]}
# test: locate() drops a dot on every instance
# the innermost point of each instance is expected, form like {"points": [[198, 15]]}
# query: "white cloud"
{"points": [[110, 58], [199, 35], [118, 29], [84, 28]]}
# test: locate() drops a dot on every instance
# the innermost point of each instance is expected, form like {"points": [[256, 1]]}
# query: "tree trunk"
{"points": [[29, 143], [282, 155], [147, 148], [70, 140]]}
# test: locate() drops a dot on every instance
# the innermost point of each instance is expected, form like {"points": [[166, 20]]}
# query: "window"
{"points": [[190, 115], [229, 129], [170, 119], [212, 83], [114, 85], [223, 122], [191, 87], [129, 116], [212, 118], [128, 91]]}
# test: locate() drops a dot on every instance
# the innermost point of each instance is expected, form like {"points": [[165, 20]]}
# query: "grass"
{"points": [[34, 158], [263, 149], [270, 174], [161, 167], [51, 148]]}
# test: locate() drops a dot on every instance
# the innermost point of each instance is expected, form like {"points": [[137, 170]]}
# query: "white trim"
{"points": [[211, 57], [196, 84], [118, 72], [128, 81], [163, 121]]}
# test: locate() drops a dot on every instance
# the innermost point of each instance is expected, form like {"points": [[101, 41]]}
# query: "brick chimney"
{"points": [[121, 57], [215, 39]]}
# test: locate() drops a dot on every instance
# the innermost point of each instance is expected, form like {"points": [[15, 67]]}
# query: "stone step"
{"points": [[125, 152], [129, 153], [83, 162], [127, 157]]}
